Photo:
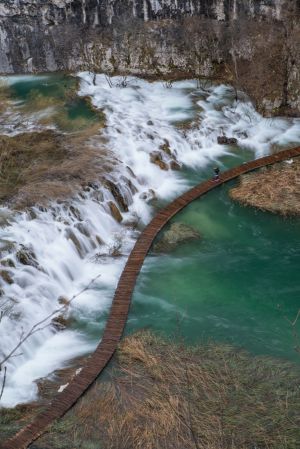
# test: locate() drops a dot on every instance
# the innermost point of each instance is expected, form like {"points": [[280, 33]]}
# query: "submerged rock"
{"points": [[8, 263], [63, 301], [6, 277], [177, 234], [115, 191], [60, 322], [223, 140], [116, 214], [148, 196], [75, 212], [165, 147], [70, 235], [27, 257], [130, 184], [157, 159], [174, 165]]}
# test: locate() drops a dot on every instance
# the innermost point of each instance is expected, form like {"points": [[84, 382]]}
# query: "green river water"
{"points": [[238, 284], [58, 92]]}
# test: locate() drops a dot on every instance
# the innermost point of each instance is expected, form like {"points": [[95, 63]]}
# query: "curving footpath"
{"points": [[122, 299]]}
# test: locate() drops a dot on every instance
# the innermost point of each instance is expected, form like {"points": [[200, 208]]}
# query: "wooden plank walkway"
{"points": [[120, 306]]}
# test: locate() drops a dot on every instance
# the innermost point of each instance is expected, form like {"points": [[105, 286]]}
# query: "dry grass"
{"points": [[274, 189], [4, 97], [163, 395], [12, 420], [38, 167]]}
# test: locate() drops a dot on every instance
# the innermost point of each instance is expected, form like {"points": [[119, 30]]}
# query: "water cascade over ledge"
{"points": [[149, 129]]}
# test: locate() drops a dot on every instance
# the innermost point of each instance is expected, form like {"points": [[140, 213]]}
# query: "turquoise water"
{"points": [[238, 284], [58, 91]]}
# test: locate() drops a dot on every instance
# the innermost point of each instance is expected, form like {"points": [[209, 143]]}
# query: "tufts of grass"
{"points": [[167, 395], [41, 166], [12, 420], [274, 189]]}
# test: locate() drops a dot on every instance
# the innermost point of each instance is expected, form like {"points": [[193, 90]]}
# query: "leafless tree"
{"points": [[168, 84], [7, 308]]}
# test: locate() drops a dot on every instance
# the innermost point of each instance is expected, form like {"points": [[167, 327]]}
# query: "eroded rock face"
{"points": [[251, 43], [177, 234]]}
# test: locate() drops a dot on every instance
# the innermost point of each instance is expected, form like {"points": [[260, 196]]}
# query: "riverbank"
{"points": [[165, 394], [65, 245], [274, 189]]}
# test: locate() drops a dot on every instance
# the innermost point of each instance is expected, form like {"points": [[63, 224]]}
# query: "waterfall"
{"points": [[53, 252]]}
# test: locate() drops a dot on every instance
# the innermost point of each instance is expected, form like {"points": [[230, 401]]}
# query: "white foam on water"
{"points": [[13, 79], [140, 119]]}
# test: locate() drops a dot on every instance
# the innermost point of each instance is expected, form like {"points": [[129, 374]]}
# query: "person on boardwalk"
{"points": [[216, 177]]}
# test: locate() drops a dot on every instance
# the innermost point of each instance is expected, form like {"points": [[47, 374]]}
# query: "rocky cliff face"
{"points": [[254, 44]]}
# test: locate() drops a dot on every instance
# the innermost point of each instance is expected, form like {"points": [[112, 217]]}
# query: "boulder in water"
{"points": [[148, 196], [26, 257], [60, 322], [116, 214], [165, 147], [174, 165], [115, 191], [223, 140], [177, 233], [157, 159], [8, 263], [63, 301], [6, 277]]}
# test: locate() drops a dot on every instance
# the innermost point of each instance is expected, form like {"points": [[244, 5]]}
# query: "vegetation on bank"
{"points": [[48, 162], [41, 166], [162, 394], [14, 419], [273, 189]]}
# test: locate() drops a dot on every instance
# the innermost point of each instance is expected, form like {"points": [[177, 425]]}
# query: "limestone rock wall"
{"points": [[255, 44]]}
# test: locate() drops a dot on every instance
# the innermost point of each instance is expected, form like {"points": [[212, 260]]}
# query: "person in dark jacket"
{"points": [[216, 177]]}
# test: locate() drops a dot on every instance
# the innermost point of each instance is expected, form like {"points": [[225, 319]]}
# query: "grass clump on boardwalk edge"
{"points": [[166, 395]]}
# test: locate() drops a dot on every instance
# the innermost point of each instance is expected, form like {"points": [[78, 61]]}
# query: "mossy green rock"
{"points": [[177, 234]]}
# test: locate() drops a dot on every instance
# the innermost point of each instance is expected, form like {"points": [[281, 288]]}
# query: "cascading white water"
{"points": [[72, 242]]}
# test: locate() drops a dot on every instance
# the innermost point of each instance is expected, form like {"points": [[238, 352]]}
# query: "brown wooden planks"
{"points": [[122, 299]]}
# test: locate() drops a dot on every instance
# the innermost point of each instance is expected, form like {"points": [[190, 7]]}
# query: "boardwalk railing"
{"points": [[120, 306]]}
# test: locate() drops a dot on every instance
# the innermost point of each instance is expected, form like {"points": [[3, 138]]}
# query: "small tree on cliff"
{"points": [[92, 56]]}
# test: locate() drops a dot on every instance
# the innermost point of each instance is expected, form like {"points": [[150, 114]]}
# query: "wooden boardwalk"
{"points": [[120, 306]]}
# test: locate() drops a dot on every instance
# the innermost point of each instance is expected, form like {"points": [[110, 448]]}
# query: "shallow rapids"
{"points": [[74, 241]]}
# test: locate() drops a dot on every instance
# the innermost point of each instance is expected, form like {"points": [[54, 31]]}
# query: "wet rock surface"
{"points": [[26, 257], [156, 158], [223, 140], [116, 214], [6, 276], [148, 196], [116, 193]]}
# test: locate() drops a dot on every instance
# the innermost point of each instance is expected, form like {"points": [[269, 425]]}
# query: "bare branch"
{"points": [[3, 382], [39, 325]]}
